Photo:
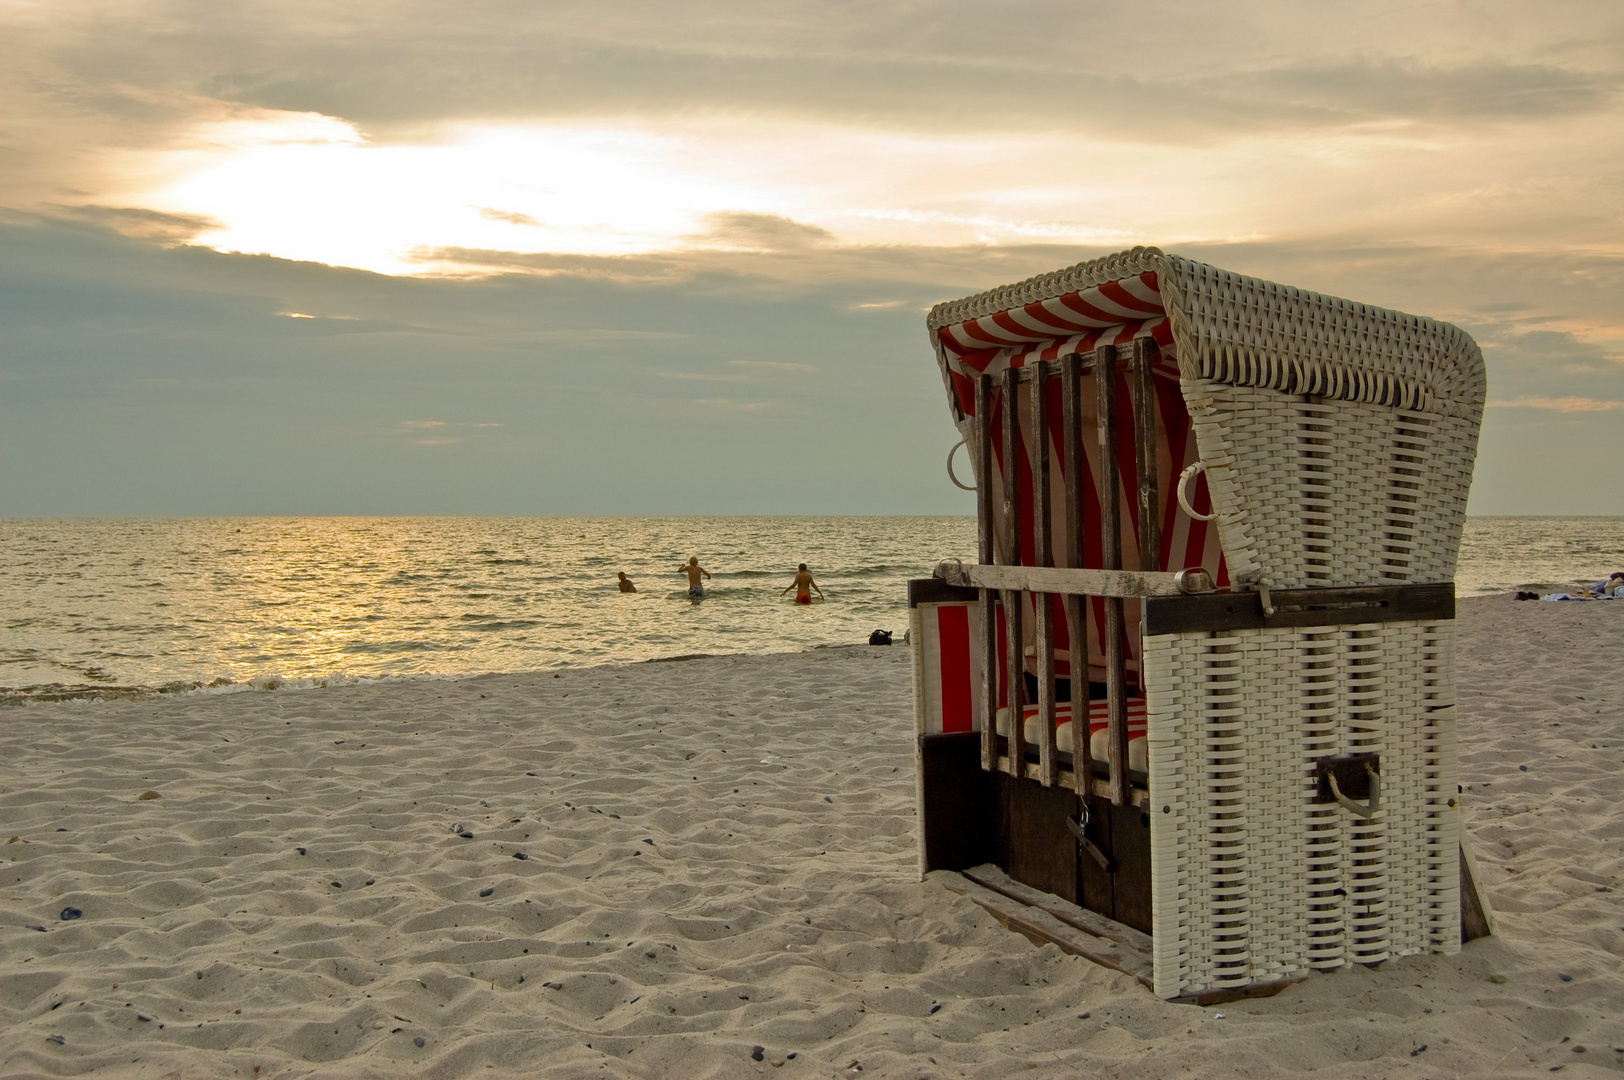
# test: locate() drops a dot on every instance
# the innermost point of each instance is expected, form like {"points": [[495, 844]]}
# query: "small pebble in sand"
{"points": [[199, 974], [1418, 1050], [1497, 979], [1578, 1049], [520, 855], [372, 881], [1564, 976], [336, 884], [420, 1041], [486, 892], [148, 795], [300, 850], [934, 1009], [1522, 768], [71, 913], [553, 985], [143, 1019], [59, 1040], [757, 1053], [827, 799]]}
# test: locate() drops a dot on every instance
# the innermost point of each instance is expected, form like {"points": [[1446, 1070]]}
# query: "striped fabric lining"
{"points": [[951, 655]]}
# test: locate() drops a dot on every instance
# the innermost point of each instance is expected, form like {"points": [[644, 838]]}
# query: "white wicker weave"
{"points": [[1252, 879]]}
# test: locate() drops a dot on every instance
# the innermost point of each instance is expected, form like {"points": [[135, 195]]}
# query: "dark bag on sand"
{"points": [[880, 637]]}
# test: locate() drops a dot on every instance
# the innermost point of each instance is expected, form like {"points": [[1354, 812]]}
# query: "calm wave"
{"points": [[128, 607]]}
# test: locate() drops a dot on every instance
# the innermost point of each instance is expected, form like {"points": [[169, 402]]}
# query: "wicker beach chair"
{"points": [[1219, 517]]}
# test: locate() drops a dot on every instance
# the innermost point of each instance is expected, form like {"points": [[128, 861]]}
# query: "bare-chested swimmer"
{"points": [[626, 583], [803, 586], [696, 589]]}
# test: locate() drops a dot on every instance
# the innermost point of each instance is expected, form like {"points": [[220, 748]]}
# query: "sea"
{"points": [[107, 608]]}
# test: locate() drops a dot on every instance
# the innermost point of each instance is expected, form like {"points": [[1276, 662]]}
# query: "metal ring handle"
{"points": [[950, 474], [1184, 478]]}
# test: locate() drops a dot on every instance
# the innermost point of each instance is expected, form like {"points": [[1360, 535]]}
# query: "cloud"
{"points": [[1565, 404], [772, 365], [760, 232], [730, 405], [140, 223], [511, 217]]}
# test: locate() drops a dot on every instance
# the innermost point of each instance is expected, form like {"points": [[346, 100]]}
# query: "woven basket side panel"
{"points": [[1172, 708], [1253, 880], [1316, 492], [1442, 849], [1241, 330]]}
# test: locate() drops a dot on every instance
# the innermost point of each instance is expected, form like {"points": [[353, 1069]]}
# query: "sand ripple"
{"points": [[718, 854]]}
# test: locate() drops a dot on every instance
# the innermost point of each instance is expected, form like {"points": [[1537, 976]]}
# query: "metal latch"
{"points": [[1079, 829]]}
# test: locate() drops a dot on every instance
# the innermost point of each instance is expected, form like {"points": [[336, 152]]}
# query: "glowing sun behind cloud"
{"points": [[314, 188]]}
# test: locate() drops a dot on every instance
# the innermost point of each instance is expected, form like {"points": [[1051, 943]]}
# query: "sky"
{"points": [[400, 257]]}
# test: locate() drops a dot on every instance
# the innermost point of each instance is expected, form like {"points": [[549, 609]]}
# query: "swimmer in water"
{"points": [[803, 586], [626, 583], [696, 588]]}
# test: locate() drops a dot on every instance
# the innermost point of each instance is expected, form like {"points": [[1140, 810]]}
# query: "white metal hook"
{"points": [[1184, 479], [950, 474]]}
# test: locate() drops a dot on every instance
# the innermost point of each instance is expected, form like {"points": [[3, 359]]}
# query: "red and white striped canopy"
{"points": [[1112, 313]]}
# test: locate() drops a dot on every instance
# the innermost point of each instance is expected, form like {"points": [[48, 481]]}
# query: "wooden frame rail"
{"points": [[1065, 581], [1005, 582]]}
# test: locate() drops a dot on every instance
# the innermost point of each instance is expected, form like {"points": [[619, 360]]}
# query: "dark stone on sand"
{"points": [[758, 1053], [146, 796], [647, 840], [553, 985], [827, 799], [1564, 976], [41, 929], [336, 884], [1578, 1049], [486, 892], [143, 1019], [71, 913], [59, 1040], [300, 850], [520, 855], [934, 1009], [530, 774], [199, 974], [1418, 1050], [420, 1041], [1522, 768]]}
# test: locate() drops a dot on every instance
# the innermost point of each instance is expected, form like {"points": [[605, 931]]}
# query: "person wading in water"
{"points": [[696, 589], [803, 586]]}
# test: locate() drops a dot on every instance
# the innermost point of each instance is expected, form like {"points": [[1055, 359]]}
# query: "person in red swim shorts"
{"points": [[803, 586]]}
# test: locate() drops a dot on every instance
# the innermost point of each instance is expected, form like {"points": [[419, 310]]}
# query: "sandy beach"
{"points": [[706, 868]]}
